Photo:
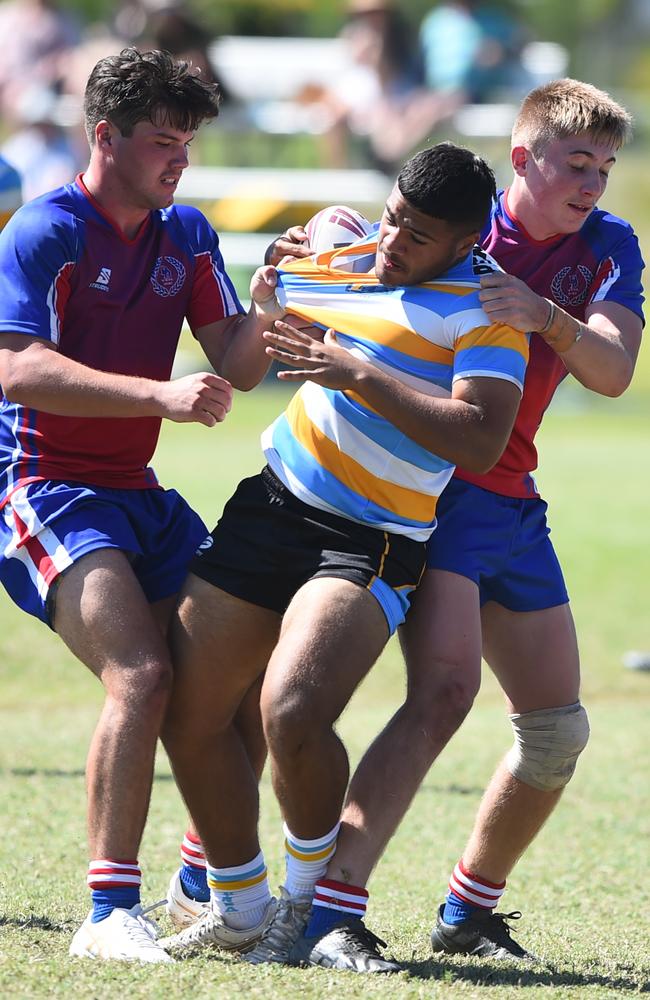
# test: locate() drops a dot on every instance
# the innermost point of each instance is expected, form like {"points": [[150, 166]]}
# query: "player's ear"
{"points": [[103, 133], [519, 158], [466, 244]]}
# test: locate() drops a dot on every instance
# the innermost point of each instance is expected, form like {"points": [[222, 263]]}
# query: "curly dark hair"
{"points": [[140, 86], [449, 182]]}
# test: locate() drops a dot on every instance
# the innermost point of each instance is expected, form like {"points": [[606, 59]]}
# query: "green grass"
{"points": [[582, 884]]}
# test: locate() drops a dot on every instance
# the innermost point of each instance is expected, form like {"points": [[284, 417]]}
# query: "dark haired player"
{"points": [[312, 563], [96, 280]]}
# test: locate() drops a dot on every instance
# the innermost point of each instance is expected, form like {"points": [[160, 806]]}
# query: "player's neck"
{"points": [[110, 198], [523, 210]]}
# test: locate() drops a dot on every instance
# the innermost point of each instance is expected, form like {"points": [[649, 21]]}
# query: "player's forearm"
{"points": [[244, 361], [594, 352], [600, 362], [454, 429], [47, 381]]}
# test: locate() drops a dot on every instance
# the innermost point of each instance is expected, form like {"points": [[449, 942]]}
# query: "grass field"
{"points": [[582, 886]]}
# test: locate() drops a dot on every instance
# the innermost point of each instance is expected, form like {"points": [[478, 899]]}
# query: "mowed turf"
{"points": [[582, 886]]}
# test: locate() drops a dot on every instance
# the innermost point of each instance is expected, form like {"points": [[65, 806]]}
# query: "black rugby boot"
{"points": [[347, 945], [484, 934]]}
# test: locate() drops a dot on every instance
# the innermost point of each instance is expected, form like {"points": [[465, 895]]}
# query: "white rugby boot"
{"points": [[125, 935], [210, 930], [183, 911], [288, 924]]}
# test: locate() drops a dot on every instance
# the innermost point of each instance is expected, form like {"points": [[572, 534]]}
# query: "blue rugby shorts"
{"points": [[47, 526], [501, 543]]}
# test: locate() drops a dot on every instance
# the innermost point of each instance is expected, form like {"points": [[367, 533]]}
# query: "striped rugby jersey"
{"points": [[329, 447]]}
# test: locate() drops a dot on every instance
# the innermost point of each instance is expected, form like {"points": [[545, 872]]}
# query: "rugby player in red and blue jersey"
{"points": [[96, 280], [493, 583]]}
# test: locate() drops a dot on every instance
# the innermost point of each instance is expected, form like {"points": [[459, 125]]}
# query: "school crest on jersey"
{"points": [[168, 276], [571, 284]]}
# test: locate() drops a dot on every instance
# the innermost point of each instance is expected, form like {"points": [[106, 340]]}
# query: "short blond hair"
{"points": [[568, 107]]}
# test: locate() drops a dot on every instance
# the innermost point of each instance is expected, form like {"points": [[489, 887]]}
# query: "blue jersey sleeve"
{"points": [[618, 276], [213, 294], [38, 250]]}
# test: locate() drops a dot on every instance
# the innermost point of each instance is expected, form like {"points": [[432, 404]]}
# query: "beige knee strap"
{"points": [[547, 745]]}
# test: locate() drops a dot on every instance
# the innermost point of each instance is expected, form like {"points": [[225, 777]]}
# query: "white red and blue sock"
{"points": [[193, 873], [333, 902], [115, 885], [307, 860], [240, 894], [469, 893]]}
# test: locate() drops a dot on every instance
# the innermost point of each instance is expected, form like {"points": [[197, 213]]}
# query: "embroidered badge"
{"points": [[168, 276], [570, 285]]}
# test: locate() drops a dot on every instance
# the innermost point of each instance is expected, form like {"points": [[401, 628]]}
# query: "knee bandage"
{"points": [[547, 745]]}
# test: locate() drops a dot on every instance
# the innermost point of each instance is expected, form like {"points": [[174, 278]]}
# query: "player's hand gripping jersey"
{"points": [[329, 447], [69, 276], [600, 263]]}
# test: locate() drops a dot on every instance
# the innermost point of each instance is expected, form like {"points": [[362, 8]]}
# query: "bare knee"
{"points": [[440, 700], [143, 688], [290, 722]]}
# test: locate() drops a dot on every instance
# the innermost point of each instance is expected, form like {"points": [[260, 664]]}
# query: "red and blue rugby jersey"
{"points": [[69, 275], [601, 262]]}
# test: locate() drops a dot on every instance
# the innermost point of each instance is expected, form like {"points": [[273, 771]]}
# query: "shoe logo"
{"points": [[102, 280], [168, 276]]}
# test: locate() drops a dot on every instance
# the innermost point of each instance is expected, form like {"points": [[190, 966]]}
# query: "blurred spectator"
{"points": [[384, 75], [36, 36], [168, 25], [98, 41], [471, 49], [399, 88], [41, 148], [10, 191], [172, 27], [129, 21]]}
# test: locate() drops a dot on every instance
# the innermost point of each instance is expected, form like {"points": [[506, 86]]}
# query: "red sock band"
{"points": [[332, 895], [192, 852]]}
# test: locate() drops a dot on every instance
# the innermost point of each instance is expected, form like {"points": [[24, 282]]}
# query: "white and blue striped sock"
{"points": [[240, 894]]}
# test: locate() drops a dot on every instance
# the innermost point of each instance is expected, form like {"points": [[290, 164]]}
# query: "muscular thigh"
{"points": [[103, 616], [220, 646], [332, 633], [534, 655], [441, 637]]}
